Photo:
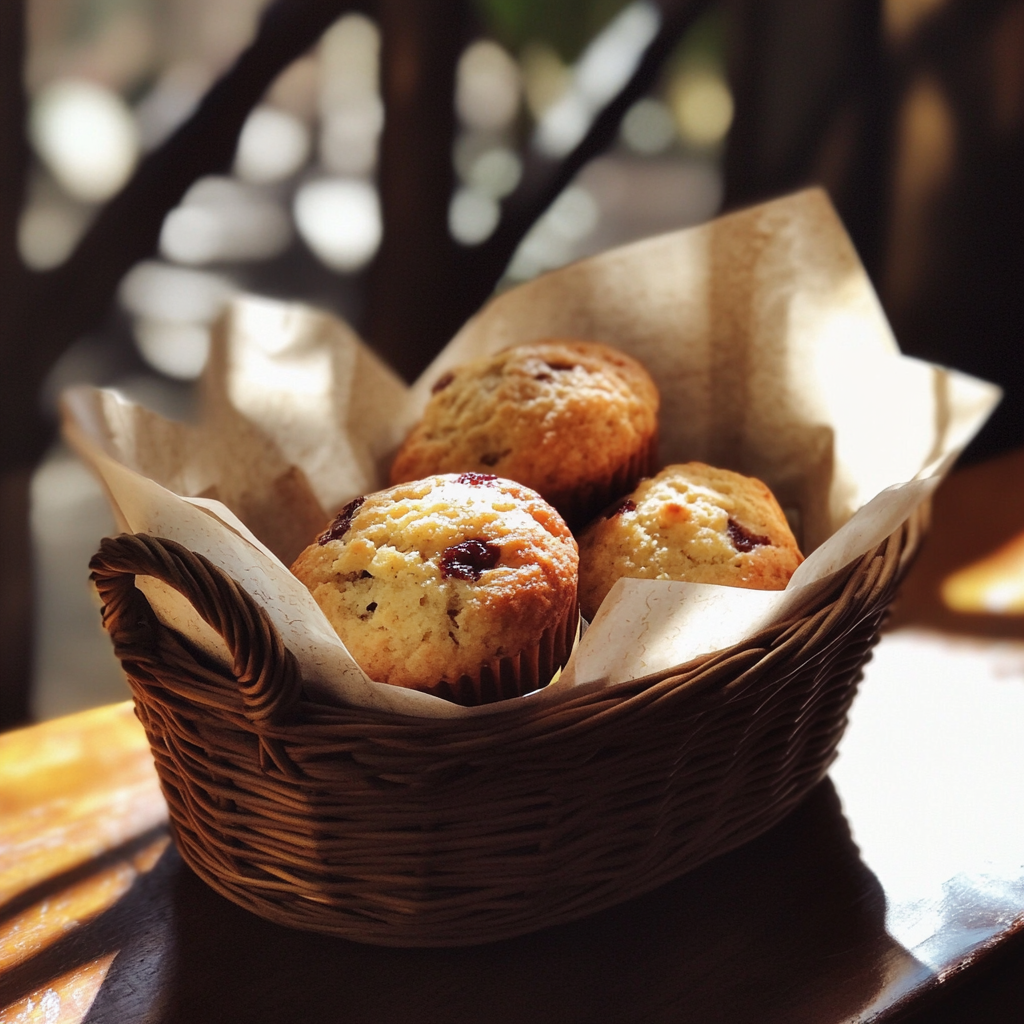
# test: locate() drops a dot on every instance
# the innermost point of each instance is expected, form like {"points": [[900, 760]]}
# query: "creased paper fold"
{"points": [[773, 358]]}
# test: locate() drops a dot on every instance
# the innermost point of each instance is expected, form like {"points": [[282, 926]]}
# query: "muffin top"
{"points": [[554, 415], [427, 580], [691, 522]]}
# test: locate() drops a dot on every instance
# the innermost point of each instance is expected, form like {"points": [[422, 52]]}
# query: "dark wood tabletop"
{"points": [[894, 892]]}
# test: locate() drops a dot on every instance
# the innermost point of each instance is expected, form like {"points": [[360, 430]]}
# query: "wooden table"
{"points": [[899, 876]]}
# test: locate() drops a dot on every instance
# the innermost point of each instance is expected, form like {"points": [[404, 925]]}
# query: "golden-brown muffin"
{"points": [[574, 420], [691, 522], [460, 585]]}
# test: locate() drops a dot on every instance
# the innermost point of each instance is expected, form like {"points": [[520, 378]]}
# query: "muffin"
{"points": [[460, 585], [574, 420], [691, 522]]}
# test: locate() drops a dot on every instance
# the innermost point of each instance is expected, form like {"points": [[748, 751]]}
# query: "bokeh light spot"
{"points": [[176, 350], [86, 136], [221, 220], [472, 216], [172, 310], [48, 231], [703, 107], [273, 146], [340, 220], [648, 127], [487, 87], [495, 172]]}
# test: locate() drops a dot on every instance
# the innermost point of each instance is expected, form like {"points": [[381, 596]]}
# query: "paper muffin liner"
{"points": [[582, 504], [529, 670]]}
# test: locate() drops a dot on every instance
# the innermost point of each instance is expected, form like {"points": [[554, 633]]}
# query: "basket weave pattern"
{"points": [[406, 831]]}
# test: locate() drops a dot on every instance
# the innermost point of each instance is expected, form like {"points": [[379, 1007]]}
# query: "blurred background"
{"points": [[396, 161]]}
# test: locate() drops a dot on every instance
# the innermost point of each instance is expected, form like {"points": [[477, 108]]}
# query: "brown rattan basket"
{"points": [[422, 832]]}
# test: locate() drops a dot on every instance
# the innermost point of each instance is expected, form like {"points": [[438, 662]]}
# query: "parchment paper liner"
{"points": [[772, 356]]}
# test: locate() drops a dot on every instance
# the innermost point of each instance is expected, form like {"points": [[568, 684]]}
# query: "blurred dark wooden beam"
{"points": [[960, 301], [812, 94], [415, 275], [14, 157], [823, 96], [16, 593]]}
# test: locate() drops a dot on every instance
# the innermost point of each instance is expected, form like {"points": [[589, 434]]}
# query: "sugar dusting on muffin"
{"points": [[690, 522], [455, 584]]}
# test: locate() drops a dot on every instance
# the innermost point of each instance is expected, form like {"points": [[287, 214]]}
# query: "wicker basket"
{"points": [[418, 832]]}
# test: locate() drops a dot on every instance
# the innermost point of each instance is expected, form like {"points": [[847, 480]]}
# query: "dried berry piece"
{"points": [[743, 540], [342, 521], [469, 559], [626, 505], [442, 382], [476, 479]]}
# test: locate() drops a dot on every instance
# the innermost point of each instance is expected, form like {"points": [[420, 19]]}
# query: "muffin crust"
{"points": [[427, 581], [691, 522], [574, 420]]}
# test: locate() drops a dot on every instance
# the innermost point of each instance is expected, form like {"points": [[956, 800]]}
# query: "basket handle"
{"points": [[267, 673]]}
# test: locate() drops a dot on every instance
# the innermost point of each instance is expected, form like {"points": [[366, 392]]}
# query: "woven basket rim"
{"points": [[111, 559]]}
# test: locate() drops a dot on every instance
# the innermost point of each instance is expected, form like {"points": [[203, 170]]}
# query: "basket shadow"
{"points": [[788, 928]]}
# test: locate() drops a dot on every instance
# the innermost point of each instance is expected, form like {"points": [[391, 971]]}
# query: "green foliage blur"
{"points": [[565, 25], [569, 25]]}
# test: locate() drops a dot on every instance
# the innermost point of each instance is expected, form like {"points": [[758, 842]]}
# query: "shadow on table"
{"points": [[788, 928]]}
